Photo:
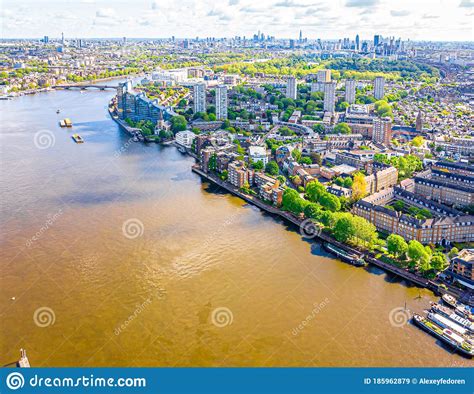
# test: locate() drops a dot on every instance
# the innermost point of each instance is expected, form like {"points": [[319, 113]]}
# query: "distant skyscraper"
{"points": [[291, 88], [221, 102], [62, 38], [46, 39], [350, 91], [323, 76], [419, 122], [292, 44], [199, 91], [377, 40], [379, 88], [329, 96], [357, 47], [382, 131], [301, 36]]}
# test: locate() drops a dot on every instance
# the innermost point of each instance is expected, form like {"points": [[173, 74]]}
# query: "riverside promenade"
{"points": [[412, 278]]}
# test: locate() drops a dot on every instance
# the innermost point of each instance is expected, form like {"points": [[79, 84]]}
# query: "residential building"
{"points": [[199, 97], [419, 121], [185, 138], [379, 88], [350, 93], [329, 96], [461, 268], [382, 130], [258, 153], [291, 88], [221, 102], [238, 174], [323, 76], [445, 227]]}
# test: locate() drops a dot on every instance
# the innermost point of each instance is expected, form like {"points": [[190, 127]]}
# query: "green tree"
{"points": [[416, 252], [312, 211], [344, 229], [314, 190], [439, 262], [258, 165], [272, 168], [178, 123], [396, 245], [453, 252], [330, 201], [342, 128]]}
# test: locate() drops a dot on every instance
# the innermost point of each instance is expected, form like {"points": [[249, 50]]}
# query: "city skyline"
{"points": [[441, 20]]}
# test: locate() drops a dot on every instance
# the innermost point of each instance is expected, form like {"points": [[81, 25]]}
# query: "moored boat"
{"points": [[351, 258], [445, 335], [446, 323], [447, 312], [77, 138], [461, 309]]}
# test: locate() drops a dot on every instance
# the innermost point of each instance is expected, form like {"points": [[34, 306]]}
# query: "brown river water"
{"points": [[113, 253]]}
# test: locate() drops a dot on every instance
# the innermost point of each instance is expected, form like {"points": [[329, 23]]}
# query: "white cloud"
{"points": [[399, 13], [105, 13]]}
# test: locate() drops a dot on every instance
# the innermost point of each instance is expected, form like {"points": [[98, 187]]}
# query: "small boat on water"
{"points": [[445, 335], [351, 258], [65, 123], [450, 314], [77, 138]]}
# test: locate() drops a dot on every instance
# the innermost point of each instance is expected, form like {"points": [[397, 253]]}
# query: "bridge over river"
{"points": [[84, 87]]}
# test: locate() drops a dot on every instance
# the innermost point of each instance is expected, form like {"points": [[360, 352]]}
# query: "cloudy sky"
{"points": [[415, 19]]}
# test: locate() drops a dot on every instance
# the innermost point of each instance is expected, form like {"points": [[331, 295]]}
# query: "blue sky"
{"points": [[415, 19]]}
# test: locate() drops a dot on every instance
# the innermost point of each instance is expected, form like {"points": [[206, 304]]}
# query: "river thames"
{"points": [[113, 253]]}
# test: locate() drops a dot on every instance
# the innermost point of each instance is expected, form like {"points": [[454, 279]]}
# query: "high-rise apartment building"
{"points": [[357, 43], [291, 88], [382, 131], [350, 91], [323, 76], [221, 102], [419, 121], [199, 91], [330, 96], [379, 88]]}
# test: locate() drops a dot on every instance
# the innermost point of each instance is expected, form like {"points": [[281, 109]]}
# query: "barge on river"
{"points": [[351, 258], [445, 335]]}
